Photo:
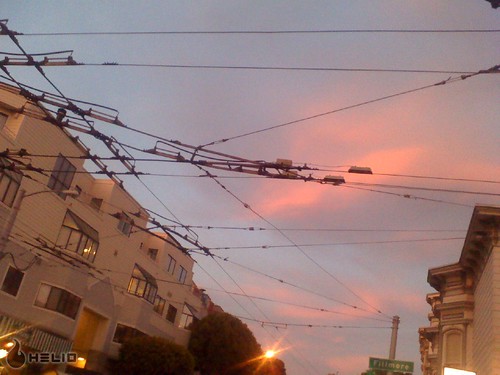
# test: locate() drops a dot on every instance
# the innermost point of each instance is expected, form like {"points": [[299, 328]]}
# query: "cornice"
{"points": [[482, 237]]}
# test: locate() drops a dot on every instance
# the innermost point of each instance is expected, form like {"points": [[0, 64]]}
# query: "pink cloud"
{"points": [[292, 200]]}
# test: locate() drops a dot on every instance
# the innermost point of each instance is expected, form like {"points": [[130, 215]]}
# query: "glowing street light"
{"points": [[269, 354]]}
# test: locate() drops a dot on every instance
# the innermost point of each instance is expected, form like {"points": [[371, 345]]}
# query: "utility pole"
{"points": [[394, 339]]}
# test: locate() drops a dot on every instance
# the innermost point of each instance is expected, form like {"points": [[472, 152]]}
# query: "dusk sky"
{"points": [[320, 256]]}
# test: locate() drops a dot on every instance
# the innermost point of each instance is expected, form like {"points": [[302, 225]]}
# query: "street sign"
{"points": [[390, 365]]}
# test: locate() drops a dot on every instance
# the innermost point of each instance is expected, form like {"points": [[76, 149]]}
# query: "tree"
{"points": [[272, 366], [153, 356], [224, 345]]}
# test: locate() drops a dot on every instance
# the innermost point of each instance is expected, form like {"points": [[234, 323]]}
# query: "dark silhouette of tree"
{"points": [[224, 345], [494, 3], [272, 366], [153, 356]]}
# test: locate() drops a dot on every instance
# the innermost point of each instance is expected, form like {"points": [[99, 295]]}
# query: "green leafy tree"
{"points": [[153, 356], [224, 345]]}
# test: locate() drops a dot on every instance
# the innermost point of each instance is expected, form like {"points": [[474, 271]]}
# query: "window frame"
{"points": [[125, 224], [10, 183], [159, 304], [4, 117], [142, 284], [171, 264], [188, 317], [182, 275], [124, 332], [12, 284], [62, 176], [153, 253], [58, 300], [171, 313], [78, 236]]}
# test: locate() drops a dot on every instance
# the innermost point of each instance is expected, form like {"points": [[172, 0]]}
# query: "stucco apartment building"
{"points": [[78, 271], [464, 330]]}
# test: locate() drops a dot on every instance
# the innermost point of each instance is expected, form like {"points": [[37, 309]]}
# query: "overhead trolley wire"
{"points": [[255, 67], [316, 167], [317, 264], [258, 32], [494, 69], [71, 106], [287, 324], [336, 244], [300, 305]]}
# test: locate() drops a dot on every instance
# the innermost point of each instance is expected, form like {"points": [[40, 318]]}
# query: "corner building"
{"points": [[464, 330], [78, 270]]}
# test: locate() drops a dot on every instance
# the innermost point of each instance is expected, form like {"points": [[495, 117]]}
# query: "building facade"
{"points": [[79, 270], [464, 330]]}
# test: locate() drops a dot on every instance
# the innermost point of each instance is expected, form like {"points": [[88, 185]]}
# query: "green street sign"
{"points": [[390, 365]]}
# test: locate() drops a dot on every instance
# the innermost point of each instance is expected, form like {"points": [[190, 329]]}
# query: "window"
{"points": [[171, 264], [143, 284], [182, 275], [125, 224], [188, 316], [57, 299], [12, 281], [153, 253], [171, 313], [76, 235], [159, 305], [96, 203], [124, 333], [3, 120], [9, 183], [62, 176]]}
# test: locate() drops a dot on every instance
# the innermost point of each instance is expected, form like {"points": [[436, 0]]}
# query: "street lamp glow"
{"points": [[270, 354], [3, 353]]}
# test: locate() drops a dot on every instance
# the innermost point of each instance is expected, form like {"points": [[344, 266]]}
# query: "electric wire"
{"points": [[422, 188], [259, 67], [44, 74], [407, 196], [247, 206], [321, 168], [259, 32], [133, 172], [298, 305], [346, 184], [286, 324], [284, 282], [357, 105], [258, 229], [336, 244], [75, 109], [494, 69]]}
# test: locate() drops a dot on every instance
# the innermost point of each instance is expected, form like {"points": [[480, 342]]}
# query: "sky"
{"points": [[320, 257]]}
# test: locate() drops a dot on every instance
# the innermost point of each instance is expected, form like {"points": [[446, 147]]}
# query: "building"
{"points": [[464, 330], [79, 270]]}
